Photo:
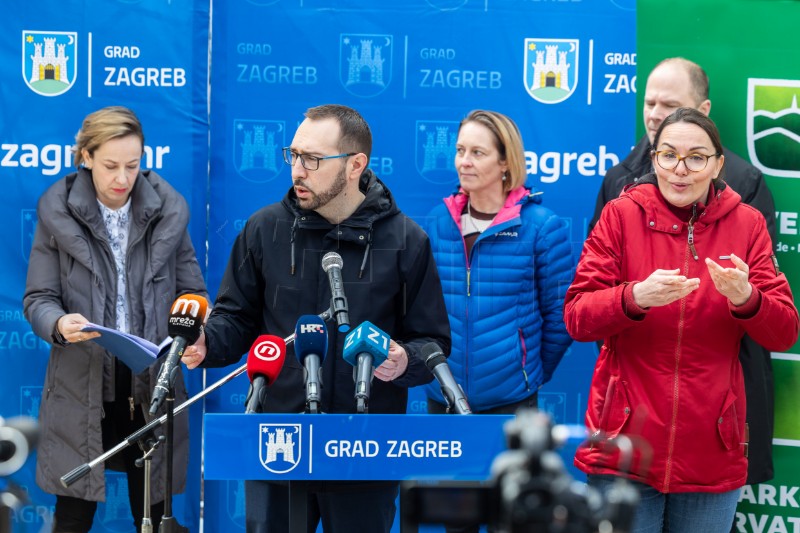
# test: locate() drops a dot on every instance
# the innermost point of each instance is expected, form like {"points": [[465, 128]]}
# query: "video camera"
{"points": [[530, 490], [18, 437]]}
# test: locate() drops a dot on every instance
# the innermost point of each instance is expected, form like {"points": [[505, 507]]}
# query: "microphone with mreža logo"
{"points": [[310, 347], [264, 363], [433, 357], [332, 264], [185, 326], [366, 347]]}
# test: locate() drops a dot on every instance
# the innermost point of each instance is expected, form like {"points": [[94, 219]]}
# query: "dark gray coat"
{"points": [[72, 270]]}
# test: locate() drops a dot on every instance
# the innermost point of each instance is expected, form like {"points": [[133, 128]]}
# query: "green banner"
{"points": [[751, 52]]}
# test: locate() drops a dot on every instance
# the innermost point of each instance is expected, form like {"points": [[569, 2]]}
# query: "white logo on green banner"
{"points": [[773, 126]]}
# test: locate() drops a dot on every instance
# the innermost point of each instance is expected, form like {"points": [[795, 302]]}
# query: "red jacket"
{"points": [[671, 376]]}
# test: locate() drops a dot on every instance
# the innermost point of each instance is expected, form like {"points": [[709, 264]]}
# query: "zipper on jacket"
{"points": [[676, 386], [469, 272], [524, 359], [691, 233]]}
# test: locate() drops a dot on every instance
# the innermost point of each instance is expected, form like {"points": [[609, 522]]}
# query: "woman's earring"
{"points": [[504, 176]]}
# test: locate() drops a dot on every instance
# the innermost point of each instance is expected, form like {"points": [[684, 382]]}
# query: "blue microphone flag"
{"points": [[369, 338], [310, 337]]}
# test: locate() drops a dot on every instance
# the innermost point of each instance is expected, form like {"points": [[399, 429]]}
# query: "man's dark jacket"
{"points": [[748, 181], [274, 276]]}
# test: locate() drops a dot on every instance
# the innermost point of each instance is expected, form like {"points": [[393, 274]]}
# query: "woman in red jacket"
{"points": [[676, 271]]}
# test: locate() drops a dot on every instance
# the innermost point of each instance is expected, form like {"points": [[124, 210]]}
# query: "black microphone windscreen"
{"points": [[431, 353]]}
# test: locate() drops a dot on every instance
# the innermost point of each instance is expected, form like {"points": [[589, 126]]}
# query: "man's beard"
{"points": [[316, 201]]}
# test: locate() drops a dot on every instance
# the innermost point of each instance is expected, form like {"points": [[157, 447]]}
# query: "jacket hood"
{"points": [[378, 204], [646, 194], [73, 201], [511, 208]]}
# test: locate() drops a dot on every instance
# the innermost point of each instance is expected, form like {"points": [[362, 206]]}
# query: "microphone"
{"points": [[436, 362], [365, 347], [332, 264], [185, 326], [310, 347], [264, 363], [18, 438]]}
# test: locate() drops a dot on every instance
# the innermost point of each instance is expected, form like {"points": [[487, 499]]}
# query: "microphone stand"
{"points": [[79, 472], [145, 460], [168, 522]]}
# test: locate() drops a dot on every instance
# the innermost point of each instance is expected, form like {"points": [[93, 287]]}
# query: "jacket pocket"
{"points": [[728, 423], [616, 408]]}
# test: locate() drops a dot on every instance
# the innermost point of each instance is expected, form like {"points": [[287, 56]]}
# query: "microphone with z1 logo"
{"points": [[310, 347], [332, 264], [436, 362], [185, 326], [365, 347], [264, 363]]}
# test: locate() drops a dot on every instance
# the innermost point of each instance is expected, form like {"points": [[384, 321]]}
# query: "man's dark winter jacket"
{"points": [[274, 276], [748, 181]]}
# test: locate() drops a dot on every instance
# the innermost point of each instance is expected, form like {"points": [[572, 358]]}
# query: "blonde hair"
{"points": [[508, 141], [104, 125]]}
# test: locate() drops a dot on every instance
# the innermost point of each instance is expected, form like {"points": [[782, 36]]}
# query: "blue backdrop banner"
{"points": [[565, 71], [59, 61]]}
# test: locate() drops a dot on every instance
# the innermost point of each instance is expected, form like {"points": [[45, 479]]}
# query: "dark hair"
{"points": [[104, 125], [508, 142], [691, 115], [697, 76], [355, 133]]}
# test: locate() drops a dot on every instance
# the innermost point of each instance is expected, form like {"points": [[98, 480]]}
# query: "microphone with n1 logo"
{"points": [[365, 347], [185, 326], [264, 363], [310, 346], [433, 357], [332, 264]]}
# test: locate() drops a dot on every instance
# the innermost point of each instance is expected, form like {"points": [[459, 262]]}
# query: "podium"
{"points": [[290, 447], [299, 448]]}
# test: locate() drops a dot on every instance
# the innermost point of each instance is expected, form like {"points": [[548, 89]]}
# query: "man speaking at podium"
{"points": [[274, 276]]}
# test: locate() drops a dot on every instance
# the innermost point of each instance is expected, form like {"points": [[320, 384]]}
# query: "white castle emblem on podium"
{"points": [[279, 447], [279, 442]]}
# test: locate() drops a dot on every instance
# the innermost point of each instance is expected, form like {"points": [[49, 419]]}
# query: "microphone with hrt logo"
{"points": [[264, 363], [365, 347], [185, 326], [310, 347]]}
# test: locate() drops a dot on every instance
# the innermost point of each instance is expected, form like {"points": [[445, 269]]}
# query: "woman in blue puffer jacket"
{"points": [[505, 262]]}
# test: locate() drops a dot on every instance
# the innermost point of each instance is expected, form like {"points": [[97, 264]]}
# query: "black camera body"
{"points": [[530, 491]]}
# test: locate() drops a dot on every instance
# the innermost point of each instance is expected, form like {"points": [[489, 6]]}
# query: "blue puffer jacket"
{"points": [[505, 301]]}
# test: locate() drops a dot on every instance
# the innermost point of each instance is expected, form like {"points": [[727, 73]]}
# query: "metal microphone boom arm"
{"points": [[79, 472]]}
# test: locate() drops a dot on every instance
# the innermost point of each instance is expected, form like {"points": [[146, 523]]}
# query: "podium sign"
{"points": [[351, 447]]}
